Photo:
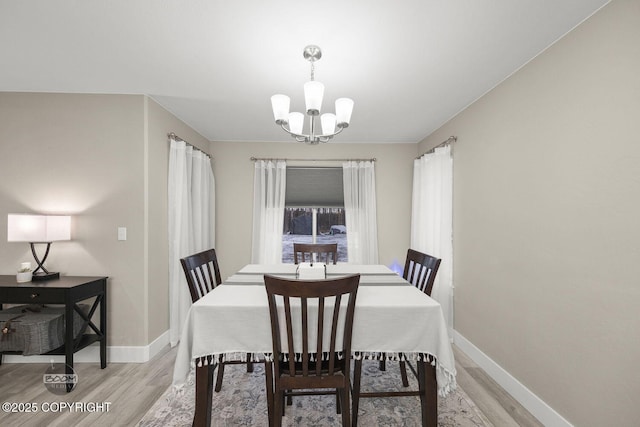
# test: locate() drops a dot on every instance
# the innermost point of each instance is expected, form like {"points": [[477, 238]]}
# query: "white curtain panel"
{"points": [[432, 220], [360, 211], [269, 183], [191, 222]]}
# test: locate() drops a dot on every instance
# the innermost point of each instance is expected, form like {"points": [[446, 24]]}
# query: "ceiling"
{"points": [[409, 65]]}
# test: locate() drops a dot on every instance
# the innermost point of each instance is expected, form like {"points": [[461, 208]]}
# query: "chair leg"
{"points": [[204, 393], [338, 401], [345, 404], [268, 374], [382, 365], [278, 408], [249, 363], [403, 373], [220, 374], [355, 391], [428, 386]]}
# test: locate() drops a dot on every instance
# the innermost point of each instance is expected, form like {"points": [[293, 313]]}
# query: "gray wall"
{"points": [[104, 160], [546, 221]]}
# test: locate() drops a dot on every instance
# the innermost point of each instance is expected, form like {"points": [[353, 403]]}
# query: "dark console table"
{"points": [[67, 290]]}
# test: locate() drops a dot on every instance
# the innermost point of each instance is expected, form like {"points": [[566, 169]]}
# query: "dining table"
{"points": [[393, 320]]}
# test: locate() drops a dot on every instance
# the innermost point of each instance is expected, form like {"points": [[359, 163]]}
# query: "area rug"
{"points": [[242, 402]]}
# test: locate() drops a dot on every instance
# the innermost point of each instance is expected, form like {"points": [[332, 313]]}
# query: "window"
{"points": [[314, 209]]}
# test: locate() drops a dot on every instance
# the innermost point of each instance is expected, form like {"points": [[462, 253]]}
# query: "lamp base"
{"points": [[41, 276]]}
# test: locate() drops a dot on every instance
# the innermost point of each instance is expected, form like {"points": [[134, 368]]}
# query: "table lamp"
{"points": [[39, 229]]}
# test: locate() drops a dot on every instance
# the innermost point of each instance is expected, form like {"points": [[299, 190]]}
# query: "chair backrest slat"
{"points": [[420, 270], [334, 327], [319, 332], [289, 323], [305, 336]]}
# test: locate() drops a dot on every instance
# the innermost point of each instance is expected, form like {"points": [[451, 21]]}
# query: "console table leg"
{"points": [[69, 342], [103, 328]]}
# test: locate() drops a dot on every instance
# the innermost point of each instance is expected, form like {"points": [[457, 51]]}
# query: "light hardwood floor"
{"points": [[132, 389]]}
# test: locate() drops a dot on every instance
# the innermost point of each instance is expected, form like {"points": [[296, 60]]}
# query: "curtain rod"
{"points": [[373, 159], [449, 140], [177, 138]]}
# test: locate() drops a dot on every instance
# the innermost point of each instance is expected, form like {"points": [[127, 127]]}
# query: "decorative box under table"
{"points": [[34, 329]]}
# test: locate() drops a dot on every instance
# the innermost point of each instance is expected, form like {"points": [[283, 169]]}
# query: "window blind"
{"points": [[309, 187]]}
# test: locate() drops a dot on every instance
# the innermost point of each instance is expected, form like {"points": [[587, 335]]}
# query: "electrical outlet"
{"points": [[122, 233]]}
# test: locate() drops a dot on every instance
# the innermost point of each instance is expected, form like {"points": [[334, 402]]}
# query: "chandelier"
{"points": [[292, 123]]}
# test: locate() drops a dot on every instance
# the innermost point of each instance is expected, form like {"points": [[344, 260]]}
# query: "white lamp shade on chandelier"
{"points": [[293, 123], [328, 121], [280, 105], [296, 122], [313, 94], [344, 107]]}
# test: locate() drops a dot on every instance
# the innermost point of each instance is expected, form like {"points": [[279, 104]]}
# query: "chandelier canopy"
{"points": [[292, 123]]}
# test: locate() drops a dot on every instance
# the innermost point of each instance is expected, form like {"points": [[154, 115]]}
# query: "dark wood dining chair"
{"points": [[420, 270], [311, 353], [203, 274], [324, 252]]}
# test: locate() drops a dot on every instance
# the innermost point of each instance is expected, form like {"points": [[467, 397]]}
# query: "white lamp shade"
{"points": [[328, 123], [296, 121], [280, 105], [313, 93], [38, 228], [344, 107]]}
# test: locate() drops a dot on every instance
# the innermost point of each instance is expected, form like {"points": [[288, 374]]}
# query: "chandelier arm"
{"points": [[331, 135], [301, 137], [295, 135]]}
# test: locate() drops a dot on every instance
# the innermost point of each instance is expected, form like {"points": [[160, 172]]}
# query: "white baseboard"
{"points": [[91, 354], [536, 406]]}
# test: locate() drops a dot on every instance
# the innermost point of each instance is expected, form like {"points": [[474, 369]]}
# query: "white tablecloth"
{"points": [[392, 318]]}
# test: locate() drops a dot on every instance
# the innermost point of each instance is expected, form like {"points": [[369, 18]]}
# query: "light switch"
{"points": [[122, 233]]}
